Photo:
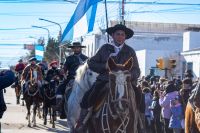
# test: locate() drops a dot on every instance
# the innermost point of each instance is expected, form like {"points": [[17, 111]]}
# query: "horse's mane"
{"points": [[80, 72]]}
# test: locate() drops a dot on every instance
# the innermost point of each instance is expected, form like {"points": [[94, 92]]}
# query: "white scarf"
{"points": [[116, 48]]}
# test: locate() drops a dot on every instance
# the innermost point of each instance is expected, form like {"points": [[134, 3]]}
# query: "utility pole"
{"points": [[123, 12], [106, 11], [44, 29]]}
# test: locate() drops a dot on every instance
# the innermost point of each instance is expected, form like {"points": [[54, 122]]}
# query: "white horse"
{"points": [[83, 82]]}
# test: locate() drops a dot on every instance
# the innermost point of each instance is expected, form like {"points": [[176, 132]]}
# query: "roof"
{"points": [[194, 51], [158, 27]]}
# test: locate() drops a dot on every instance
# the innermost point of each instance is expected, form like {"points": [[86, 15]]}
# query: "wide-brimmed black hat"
{"points": [[32, 59], [129, 32], [20, 60], [76, 44]]}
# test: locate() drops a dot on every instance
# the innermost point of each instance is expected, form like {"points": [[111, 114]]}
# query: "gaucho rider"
{"points": [[32, 69], [71, 64], [19, 69], [120, 52], [53, 73]]}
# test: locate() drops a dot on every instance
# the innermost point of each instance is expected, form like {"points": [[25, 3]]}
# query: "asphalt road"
{"points": [[14, 121]]}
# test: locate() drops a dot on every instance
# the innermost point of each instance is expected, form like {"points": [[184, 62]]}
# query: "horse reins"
{"points": [[107, 109]]}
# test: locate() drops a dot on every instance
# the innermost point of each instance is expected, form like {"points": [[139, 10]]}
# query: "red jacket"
{"points": [[19, 67]]}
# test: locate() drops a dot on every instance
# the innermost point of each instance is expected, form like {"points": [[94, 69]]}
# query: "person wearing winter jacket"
{"points": [[164, 101], [155, 108], [177, 115], [148, 100], [6, 79]]}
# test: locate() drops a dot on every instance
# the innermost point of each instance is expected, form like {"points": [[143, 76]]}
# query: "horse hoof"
{"points": [[34, 125], [29, 125], [45, 123], [53, 126]]}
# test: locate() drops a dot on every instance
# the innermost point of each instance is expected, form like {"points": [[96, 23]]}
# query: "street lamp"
{"points": [[60, 35], [44, 29]]}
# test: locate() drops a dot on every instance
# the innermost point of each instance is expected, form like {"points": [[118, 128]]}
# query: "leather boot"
{"points": [[81, 123]]}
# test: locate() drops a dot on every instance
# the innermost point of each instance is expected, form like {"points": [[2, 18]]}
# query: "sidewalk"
{"points": [[14, 121]]}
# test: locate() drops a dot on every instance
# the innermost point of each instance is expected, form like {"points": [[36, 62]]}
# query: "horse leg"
{"points": [[45, 112], [39, 113], [34, 114], [53, 116], [22, 102], [28, 115], [50, 114], [17, 95]]}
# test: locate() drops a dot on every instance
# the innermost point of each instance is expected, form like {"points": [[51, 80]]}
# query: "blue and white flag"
{"points": [[82, 21], [39, 52]]}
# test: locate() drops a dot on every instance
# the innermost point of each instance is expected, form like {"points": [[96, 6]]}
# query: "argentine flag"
{"points": [[39, 52], [82, 21]]}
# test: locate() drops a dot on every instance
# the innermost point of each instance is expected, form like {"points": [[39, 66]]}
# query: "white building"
{"points": [[191, 52]]}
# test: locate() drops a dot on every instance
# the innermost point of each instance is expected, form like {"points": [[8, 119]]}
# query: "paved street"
{"points": [[14, 121]]}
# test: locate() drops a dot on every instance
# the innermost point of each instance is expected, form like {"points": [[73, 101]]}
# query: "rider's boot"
{"points": [[62, 111], [80, 126]]}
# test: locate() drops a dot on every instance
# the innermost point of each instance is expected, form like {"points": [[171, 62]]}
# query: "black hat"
{"points": [[129, 33], [20, 60], [76, 44], [170, 88], [32, 59]]}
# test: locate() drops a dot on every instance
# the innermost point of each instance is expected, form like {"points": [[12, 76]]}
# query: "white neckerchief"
{"points": [[116, 48]]}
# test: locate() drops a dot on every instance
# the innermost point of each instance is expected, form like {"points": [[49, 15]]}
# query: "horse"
{"points": [[49, 102], [32, 97], [118, 110], [18, 88], [192, 112], [83, 81]]}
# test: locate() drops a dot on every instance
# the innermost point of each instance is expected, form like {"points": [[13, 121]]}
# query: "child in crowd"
{"points": [[177, 115], [155, 108], [148, 100]]}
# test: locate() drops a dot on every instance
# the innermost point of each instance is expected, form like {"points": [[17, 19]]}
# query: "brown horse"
{"points": [[118, 113], [192, 112], [49, 103], [18, 88], [32, 97], [192, 120]]}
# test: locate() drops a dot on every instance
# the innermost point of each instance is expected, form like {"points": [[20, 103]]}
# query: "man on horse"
{"points": [[71, 64], [120, 53], [32, 69], [53, 73], [19, 69]]}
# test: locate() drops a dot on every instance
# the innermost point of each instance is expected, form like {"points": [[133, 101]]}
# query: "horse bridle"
{"points": [[114, 99], [124, 119]]}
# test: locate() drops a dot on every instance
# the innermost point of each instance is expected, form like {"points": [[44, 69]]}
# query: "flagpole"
{"points": [[106, 18]]}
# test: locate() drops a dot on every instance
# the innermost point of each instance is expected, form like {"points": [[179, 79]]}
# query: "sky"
{"points": [[18, 16]]}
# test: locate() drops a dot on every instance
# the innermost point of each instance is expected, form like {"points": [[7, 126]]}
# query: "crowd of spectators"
{"points": [[165, 102]]}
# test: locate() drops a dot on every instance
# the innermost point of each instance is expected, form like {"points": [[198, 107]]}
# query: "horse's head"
{"points": [[32, 85], [119, 84], [85, 77]]}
